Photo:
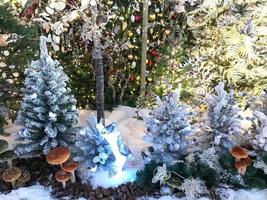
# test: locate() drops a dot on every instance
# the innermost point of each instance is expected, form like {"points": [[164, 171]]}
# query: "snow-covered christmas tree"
{"points": [[48, 112], [168, 127], [258, 132], [222, 116]]}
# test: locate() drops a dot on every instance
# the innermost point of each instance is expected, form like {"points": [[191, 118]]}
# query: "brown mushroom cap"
{"points": [[70, 166], [246, 161], [240, 164], [25, 176], [58, 155], [62, 176], [11, 174], [239, 152]]}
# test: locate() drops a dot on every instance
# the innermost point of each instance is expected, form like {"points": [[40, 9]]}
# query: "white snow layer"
{"points": [[168, 198], [43, 193], [102, 179], [228, 195], [29, 193]]}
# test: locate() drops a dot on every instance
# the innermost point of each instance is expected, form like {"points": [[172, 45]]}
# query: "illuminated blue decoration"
{"points": [[101, 148]]}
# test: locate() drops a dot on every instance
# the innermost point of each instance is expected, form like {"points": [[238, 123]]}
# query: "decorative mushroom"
{"points": [[3, 145], [62, 176], [239, 153], [58, 155], [25, 177], [10, 175], [8, 156], [70, 166], [242, 165]]}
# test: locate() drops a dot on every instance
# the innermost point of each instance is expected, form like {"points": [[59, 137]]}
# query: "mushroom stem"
{"points": [[72, 178], [13, 183], [9, 163], [21, 184], [242, 170], [64, 184]]}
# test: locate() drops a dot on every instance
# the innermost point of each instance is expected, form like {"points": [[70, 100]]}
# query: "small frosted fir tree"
{"points": [[258, 131], [222, 117], [48, 111], [168, 127]]}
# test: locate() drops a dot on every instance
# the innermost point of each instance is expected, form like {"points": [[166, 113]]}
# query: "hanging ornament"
{"points": [[138, 31], [150, 63], [152, 17], [154, 53], [157, 10], [137, 18], [167, 32], [174, 16], [130, 33], [130, 57], [124, 25], [132, 77], [6, 53], [121, 18], [133, 64], [29, 10], [110, 3]]}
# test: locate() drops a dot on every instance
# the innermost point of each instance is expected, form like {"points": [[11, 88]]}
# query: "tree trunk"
{"points": [[99, 68], [144, 47]]}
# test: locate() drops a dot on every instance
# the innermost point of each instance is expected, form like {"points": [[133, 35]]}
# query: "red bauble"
{"points": [[174, 16], [132, 77], [150, 63], [137, 18], [154, 53], [29, 10]]}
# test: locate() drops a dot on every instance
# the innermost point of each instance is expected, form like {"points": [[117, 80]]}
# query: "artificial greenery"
{"points": [[253, 178], [14, 57], [144, 176]]}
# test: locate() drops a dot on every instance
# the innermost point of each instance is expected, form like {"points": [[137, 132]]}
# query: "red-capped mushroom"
{"points": [[70, 166], [239, 153], [62, 176], [242, 165], [58, 155]]}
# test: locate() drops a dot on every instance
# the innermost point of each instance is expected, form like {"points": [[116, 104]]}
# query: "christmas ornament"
{"points": [[154, 53], [167, 32], [137, 18], [132, 77], [150, 64], [130, 57], [29, 10], [152, 17]]}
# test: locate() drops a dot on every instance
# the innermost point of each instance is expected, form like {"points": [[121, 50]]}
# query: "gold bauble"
{"points": [[130, 57], [152, 17], [167, 32]]}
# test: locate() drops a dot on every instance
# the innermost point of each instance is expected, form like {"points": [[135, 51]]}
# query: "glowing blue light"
{"points": [[112, 138]]}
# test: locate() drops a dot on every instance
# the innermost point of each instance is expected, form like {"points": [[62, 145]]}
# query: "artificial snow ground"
{"points": [[38, 192]]}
